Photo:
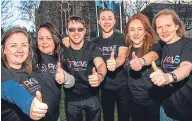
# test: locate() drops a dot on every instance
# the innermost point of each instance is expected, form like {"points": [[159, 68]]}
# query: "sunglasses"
{"points": [[74, 29]]}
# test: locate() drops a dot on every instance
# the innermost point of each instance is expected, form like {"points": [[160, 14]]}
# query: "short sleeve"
{"points": [[186, 54]]}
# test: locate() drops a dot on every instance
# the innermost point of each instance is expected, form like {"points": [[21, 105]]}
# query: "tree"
{"points": [[27, 10], [132, 7], [6, 12], [184, 10]]}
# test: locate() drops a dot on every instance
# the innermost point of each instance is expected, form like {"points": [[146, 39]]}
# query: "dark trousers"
{"points": [[91, 107], [121, 98], [141, 112]]}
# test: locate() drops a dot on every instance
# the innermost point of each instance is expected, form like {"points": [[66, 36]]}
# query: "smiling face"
{"points": [[76, 32], [166, 29], [16, 50], [107, 21], [136, 32], [45, 41]]}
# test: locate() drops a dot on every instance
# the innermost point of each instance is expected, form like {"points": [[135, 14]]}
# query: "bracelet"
{"points": [[101, 76], [144, 61]]}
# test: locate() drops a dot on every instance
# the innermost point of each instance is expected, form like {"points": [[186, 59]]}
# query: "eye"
{"points": [[40, 38], [159, 27], [25, 45], [13, 46]]}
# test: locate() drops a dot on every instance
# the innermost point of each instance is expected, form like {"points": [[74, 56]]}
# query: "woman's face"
{"points": [[45, 41], [16, 50], [136, 33], [166, 29]]}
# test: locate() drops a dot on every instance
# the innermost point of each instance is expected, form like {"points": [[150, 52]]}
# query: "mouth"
{"points": [[76, 37], [19, 56], [136, 38], [165, 35]]}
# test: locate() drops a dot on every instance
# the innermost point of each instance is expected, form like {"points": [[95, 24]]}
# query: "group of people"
{"points": [[113, 69]]}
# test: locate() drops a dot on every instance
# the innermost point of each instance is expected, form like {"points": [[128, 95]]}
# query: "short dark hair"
{"points": [[27, 64], [76, 18], [107, 9]]}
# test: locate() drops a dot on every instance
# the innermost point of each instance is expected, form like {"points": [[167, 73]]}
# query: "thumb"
{"points": [[58, 66], [93, 70], [154, 66], [112, 54], [38, 96], [133, 55]]}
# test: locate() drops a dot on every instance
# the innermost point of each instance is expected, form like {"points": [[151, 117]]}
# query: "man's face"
{"points": [[107, 21], [76, 32]]}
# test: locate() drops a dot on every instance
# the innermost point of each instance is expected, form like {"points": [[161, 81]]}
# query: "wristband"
{"points": [[144, 61]]}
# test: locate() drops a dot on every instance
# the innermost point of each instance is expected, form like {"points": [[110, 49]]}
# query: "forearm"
{"points": [[183, 71], [120, 60], [149, 57], [69, 80], [101, 67], [12, 92]]}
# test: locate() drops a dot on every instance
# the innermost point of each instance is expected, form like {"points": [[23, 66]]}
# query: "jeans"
{"points": [[164, 117], [91, 107], [148, 112], [122, 99]]}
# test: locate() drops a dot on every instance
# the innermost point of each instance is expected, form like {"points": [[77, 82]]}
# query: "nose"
{"points": [[136, 32], [20, 49], [164, 29]]}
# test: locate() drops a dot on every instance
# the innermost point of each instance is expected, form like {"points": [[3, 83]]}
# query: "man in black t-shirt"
{"points": [[114, 49], [84, 61]]}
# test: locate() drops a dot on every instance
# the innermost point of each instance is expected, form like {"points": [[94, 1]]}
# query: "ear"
{"points": [[85, 30]]}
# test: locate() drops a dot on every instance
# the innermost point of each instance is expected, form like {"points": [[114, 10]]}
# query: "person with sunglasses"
{"points": [[47, 57], [19, 85], [84, 61], [114, 88]]}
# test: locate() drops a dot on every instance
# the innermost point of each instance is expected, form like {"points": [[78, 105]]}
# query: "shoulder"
{"points": [[118, 34]]}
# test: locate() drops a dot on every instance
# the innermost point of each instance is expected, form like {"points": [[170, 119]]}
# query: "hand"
{"points": [[66, 41], [38, 108], [136, 63], [60, 75], [111, 62], [158, 77], [93, 79]]}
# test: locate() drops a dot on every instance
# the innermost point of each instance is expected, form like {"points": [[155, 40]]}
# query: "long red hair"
{"points": [[148, 39]]}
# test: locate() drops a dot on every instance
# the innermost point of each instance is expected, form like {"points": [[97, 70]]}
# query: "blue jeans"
{"points": [[91, 107], [164, 117]]}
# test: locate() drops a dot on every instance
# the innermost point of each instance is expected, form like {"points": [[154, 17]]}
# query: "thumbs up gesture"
{"points": [[111, 62], [136, 63], [38, 109], [60, 75], [95, 78], [158, 77]]}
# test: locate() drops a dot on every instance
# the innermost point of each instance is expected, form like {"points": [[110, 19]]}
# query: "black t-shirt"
{"points": [[178, 96], [9, 111], [79, 63], [51, 90], [139, 83], [116, 79]]}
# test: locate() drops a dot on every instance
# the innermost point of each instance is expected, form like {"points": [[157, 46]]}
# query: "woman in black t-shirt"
{"points": [[48, 64], [139, 37], [16, 69], [175, 74]]}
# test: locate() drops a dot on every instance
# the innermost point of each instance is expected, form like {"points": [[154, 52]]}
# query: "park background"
{"points": [[30, 14]]}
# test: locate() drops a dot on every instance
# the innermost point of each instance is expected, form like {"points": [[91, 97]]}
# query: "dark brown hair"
{"points": [[148, 39], [75, 18], [27, 64], [181, 30]]}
